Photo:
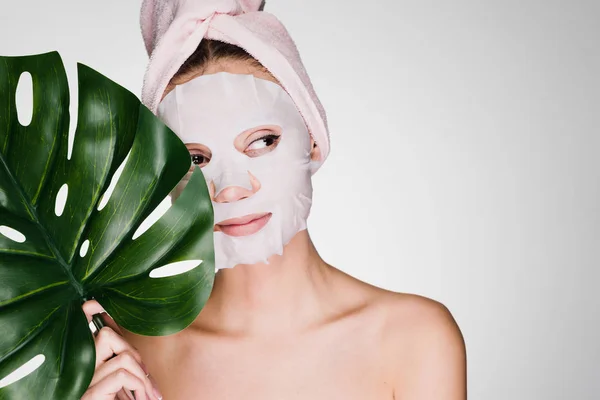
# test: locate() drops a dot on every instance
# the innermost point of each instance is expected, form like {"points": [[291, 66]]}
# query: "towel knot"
{"points": [[157, 15], [204, 9]]}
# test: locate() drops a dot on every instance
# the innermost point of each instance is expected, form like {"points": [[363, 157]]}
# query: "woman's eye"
{"points": [[263, 143], [200, 160]]}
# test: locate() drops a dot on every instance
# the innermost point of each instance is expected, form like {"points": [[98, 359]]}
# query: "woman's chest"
{"points": [[315, 369]]}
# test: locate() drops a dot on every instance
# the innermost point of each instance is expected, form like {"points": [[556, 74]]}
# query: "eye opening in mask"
{"points": [[200, 155], [258, 141]]}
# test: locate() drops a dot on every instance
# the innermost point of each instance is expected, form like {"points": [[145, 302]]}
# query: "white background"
{"points": [[464, 166]]}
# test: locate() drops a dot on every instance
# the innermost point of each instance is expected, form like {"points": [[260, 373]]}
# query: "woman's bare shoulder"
{"points": [[415, 313], [404, 313], [401, 310], [416, 320], [420, 321], [421, 343]]}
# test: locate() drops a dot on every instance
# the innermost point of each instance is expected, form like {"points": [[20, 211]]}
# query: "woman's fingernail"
{"points": [[157, 393]]}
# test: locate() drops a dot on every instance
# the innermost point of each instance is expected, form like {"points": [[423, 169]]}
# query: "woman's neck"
{"points": [[285, 295]]}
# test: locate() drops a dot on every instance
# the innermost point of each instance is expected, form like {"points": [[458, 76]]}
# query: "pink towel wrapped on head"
{"points": [[173, 29]]}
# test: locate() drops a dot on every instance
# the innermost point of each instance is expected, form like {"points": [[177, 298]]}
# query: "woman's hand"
{"points": [[119, 367]]}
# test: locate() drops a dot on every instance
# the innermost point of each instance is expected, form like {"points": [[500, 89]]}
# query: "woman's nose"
{"points": [[230, 187]]}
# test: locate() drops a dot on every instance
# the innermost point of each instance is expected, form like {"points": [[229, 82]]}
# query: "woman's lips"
{"points": [[243, 226]]}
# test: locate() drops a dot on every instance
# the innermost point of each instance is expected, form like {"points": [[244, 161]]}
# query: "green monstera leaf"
{"points": [[57, 248]]}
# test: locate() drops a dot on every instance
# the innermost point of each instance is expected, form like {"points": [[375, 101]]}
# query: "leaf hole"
{"points": [[84, 248], [24, 99], [12, 234], [113, 183], [176, 268], [61, 200], [71, 69], [26, 369], [154, 216]]}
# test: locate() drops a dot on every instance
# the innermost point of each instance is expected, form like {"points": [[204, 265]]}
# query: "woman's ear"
{"points": [[315, 152]]}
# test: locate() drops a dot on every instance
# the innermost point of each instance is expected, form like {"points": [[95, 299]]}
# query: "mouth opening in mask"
{"points": [[243, 226]]}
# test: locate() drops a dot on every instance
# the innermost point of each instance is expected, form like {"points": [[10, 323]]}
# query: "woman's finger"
{"points": [[107, 388], [109, 342], [92, 307], [126, 361]]}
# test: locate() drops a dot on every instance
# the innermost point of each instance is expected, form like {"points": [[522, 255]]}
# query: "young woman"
{"points": [[281, 324]]}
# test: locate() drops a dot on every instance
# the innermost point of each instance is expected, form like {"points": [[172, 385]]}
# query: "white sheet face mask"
{"points": [[214, 110]]}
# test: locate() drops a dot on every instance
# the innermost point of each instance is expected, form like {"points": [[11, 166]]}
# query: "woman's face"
{"points": [[246, 134]]}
